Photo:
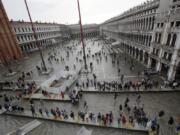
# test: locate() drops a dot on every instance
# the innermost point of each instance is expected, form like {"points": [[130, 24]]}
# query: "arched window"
{"points": [[18, 38], [153, 21], [156, 37], [174, 40], [22, 29], [159, 40], [150, 38], [22, 38], [165, 55], [168, 39], [22, 49]]}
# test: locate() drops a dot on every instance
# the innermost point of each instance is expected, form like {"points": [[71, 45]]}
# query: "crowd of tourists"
{"points": [[144, 84], [128, 116], [11, 103], [27, 87]]}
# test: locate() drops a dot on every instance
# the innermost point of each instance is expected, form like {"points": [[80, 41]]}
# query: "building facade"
{"points": [[149, 33], [48, 34], [89, 30], [9, 48]]}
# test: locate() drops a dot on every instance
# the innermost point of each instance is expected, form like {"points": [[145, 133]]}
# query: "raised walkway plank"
{"points": [[26, 128]]}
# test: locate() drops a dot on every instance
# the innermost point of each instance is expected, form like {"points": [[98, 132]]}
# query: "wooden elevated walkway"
{"points": [[26, 128], [76, 121]]}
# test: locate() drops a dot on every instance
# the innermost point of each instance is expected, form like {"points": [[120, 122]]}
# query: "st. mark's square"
{"points": [[119, 76]]}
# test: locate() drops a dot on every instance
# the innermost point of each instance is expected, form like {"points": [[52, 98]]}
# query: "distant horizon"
{"points": [[93, 12]]}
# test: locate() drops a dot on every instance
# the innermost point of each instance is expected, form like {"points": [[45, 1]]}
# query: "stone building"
{"points": [[89, 30], [150, 33], [9, 48], [48, 34]]}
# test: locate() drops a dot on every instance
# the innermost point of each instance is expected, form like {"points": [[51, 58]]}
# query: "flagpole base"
{"points": [[47, 72]]}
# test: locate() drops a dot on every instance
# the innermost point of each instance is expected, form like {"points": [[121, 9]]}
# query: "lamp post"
{"points": [[35, 36], [82, 36]]}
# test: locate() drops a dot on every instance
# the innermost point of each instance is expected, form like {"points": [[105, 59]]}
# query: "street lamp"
{"points": [[82, 36], [35, 36]]}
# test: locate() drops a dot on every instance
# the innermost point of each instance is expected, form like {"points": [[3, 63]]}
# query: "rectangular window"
{"points": [[165, 55], [169, 57], [162, 24], [172, 24], [159, 40], [158, 25], [157, 52], [178, 24]]}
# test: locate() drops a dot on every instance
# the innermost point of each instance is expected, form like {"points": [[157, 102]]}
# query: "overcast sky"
{"points": [[65, 11]]}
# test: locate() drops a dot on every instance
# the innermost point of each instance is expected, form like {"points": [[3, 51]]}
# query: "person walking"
{"points": [[171, 126], [33, 111], [161, 123], [119, 71], [115, 96], [85, 104], [122, 78], [42, 103]]}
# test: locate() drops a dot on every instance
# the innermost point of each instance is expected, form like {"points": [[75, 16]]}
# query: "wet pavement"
{"points": [[104, 70], [101, 102]]}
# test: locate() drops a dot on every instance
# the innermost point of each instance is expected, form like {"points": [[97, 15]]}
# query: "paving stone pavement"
{"points": [[153, 102]]}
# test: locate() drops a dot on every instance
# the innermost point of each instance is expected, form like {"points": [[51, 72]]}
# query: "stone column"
{"points": [[171, 72], [171, 40], [165, 33], [147, 40], [174, 62], [158, 68], [149, 62], [143, 59], [139, 56]]}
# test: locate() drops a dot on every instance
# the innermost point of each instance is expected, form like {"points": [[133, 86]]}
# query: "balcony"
{"points": [[39, 39], [168, 49], [156, 45], [175, 14], [138, 31], [138, 45], [154, 56], [165, 61], [174, 29], [31, 32]]}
